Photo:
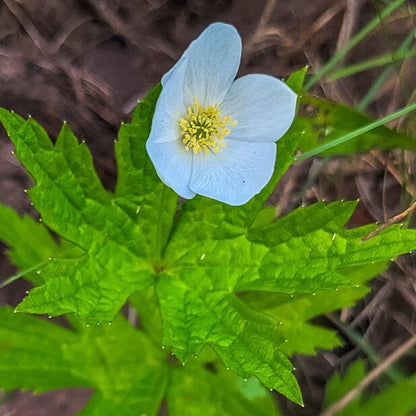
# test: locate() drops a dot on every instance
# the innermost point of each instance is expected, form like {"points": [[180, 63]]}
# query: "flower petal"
{"points": [[169, 108], [212, 64], [263, 106], [236, 173], [173, 165]]}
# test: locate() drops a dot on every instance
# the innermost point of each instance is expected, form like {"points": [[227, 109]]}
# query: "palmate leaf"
{"points": [[121, 364], [126, 367], [199, 263], [128, 373], [352, 259], [121, 236], [305, 252]]}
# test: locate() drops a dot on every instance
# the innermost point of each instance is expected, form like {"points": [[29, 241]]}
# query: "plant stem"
{"points": [[380, 60], [380, 80], [356, 133], [354, 41]]}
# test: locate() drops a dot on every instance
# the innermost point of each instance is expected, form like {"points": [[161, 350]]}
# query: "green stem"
{"points": [[357, 132], [354, 41], [381, 60], [393, 372], [380, 80], [22, 273]]}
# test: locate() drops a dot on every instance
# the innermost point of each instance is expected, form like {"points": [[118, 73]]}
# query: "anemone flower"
{"points": [[212, 135]]}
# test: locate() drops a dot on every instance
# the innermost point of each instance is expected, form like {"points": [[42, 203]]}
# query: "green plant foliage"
{"points": [[395, 400], [197, 265], [338, 386], [358, 263], [202, 392], [295, 81], [322, 121], [127, 368], [119, 362], [128, 373], [117, 235], [31, 245]]}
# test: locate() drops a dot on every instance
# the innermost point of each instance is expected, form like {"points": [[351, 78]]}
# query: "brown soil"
{"points": [[89, 61]]}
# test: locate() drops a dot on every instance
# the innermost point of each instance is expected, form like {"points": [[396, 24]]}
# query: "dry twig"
{"points": [[390, 221]]}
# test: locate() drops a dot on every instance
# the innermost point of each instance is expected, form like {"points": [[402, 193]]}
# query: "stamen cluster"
{"points": [[204, 128]]}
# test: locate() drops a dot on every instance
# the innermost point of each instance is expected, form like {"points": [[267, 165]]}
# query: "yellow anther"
{"points": [[203, 128]]}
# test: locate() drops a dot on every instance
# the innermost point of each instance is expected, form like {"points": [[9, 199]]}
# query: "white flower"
{"points": [[214, 136]]}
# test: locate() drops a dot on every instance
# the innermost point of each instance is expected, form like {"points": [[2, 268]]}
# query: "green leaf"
{"points": [[119, 362], [194, 390], [201, 260], [296, 80], [121, 237], [305, 252], [31, 245], [395, 400], [139, 190], [353, 260], [29, 357], [339, 386], [323, 121], [246, 341], [129, 374], [104, 357]]}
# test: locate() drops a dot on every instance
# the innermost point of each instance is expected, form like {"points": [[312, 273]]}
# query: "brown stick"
{"points": [[390, 221]]}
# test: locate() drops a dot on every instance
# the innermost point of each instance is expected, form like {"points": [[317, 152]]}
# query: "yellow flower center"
{"points": [[204, 128]]}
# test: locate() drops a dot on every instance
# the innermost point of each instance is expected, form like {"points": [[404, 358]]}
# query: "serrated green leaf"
{"points": [[136, 175], [199, 280], [74, 204], [246, 341], [32, 255], [133, 375], [30, 357], [200, 264], [105, 355], [356, 261], [324, 121], [195, 391], [305, 252], [128, 373], [119, 362], [139, 190], [322, 254]]}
